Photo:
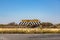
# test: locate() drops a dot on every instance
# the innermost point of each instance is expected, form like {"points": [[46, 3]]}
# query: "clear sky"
{"points": [[15, 10]]}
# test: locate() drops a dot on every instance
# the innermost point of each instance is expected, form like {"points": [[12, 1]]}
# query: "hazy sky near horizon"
{"points": [[15, 10]]}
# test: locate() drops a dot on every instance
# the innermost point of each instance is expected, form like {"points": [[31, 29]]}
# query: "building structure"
{"points": [[29, 23]]}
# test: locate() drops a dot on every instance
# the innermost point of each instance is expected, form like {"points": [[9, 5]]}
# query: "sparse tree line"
{"points": [[42, 25]]}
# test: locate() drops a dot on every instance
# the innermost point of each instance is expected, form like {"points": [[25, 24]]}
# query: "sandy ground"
{"points": [[29, 36]]}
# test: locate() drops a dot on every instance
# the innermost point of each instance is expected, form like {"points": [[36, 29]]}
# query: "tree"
{"points": [[46, 24], [12, 23]]}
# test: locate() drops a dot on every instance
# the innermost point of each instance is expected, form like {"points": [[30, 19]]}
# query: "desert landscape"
{"points": [[29, 27]]}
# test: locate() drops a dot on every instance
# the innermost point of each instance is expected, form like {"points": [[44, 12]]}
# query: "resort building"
{"points": [[29, 23]]}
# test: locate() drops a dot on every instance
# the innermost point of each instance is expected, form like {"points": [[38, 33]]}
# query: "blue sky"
{"points": [[15, 10]]}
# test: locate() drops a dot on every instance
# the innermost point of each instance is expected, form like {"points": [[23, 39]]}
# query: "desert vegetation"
{"points": [[29, 30], [43, 27]]}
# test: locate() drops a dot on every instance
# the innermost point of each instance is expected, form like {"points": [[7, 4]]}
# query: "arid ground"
{"points": [[29, 36]]}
